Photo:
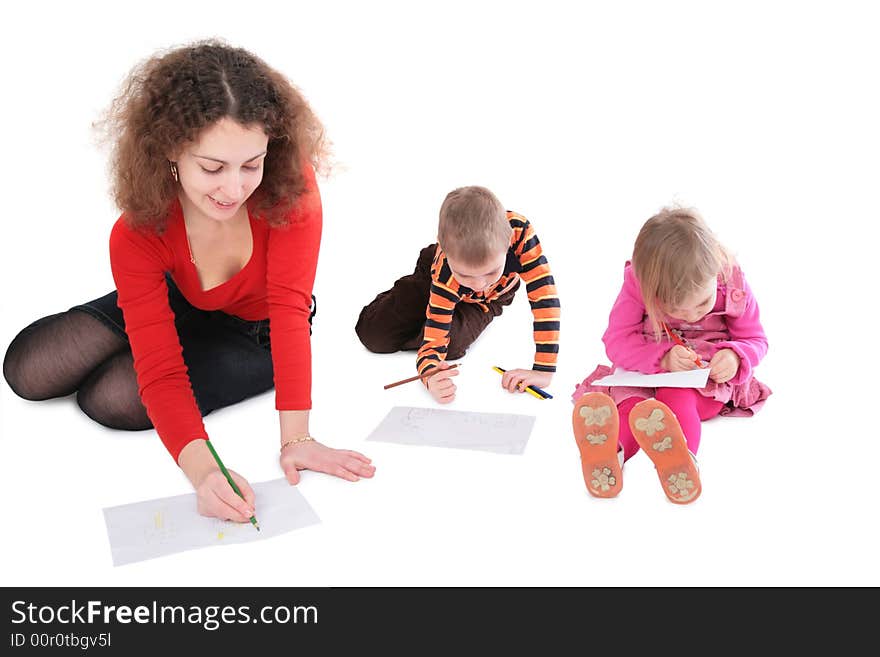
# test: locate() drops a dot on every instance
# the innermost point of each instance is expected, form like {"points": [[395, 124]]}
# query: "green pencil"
{"points": [[229, 479]]}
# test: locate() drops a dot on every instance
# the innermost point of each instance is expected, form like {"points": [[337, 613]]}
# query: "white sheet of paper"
{"points": [[155, 528], [502, 433], [690, 379]]}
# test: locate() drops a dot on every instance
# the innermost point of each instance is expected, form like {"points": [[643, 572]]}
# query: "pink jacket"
{"points": [[733, 323]]}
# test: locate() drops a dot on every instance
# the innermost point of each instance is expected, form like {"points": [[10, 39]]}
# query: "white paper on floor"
{"points": [[502, 433], [689, 379], [154, 528]]}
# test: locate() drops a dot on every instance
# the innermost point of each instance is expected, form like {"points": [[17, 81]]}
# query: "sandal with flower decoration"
{"points": [[659, 434], [596, 424]]}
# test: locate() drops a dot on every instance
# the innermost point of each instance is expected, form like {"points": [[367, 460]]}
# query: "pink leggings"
{"points": [[689, 406]]}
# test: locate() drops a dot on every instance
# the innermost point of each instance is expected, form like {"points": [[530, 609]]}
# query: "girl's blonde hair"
{"points": [[674, 255]]}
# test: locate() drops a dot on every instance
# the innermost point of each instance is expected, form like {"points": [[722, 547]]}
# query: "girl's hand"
{"points": [[517, 380], [440, 386], [723, 366], [312, 455], [679, 359], [216, 499]]}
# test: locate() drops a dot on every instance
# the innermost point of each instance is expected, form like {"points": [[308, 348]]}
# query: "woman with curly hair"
{"points": [[217, 245]]}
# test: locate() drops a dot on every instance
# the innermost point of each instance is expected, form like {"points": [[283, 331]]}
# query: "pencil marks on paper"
{"points": [[154, 528], [502, 433]]}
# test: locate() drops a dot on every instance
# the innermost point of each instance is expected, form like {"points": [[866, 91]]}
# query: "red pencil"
{"points": [[424, 375], [677, 340]]}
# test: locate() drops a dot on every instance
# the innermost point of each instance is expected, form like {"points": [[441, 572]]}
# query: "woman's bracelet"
{"points": [[293, 441]]}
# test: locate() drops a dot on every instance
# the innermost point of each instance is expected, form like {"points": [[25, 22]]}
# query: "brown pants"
{"points": [[395, 319]]}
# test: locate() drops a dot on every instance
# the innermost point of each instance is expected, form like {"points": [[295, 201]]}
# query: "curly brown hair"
{"points": [[169, 99]]}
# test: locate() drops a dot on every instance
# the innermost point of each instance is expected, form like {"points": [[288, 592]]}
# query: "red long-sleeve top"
{"points": [[276, 283]]}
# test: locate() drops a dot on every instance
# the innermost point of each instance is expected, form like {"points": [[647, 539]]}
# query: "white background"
{"points": [[586, 119]]}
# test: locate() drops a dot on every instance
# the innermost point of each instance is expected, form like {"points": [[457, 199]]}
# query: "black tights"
{"points": [[73, 352]]}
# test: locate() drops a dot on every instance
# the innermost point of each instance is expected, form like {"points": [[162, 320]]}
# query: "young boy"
{"points": [[465, 280]]}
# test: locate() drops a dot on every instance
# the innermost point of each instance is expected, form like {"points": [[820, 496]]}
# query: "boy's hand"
{"points": [[517, 380], [440, 386], [679, 359], [216, 499], [723, 366]]}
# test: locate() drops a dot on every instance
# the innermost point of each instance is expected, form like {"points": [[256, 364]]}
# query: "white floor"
{"points": [[586, 122]]}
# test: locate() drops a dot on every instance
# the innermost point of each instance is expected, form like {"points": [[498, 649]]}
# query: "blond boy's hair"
{"points": [[473, 225], [674, 255]]}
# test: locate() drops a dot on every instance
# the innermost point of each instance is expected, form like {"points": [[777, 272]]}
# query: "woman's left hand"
{"points": [[312, 455], [723, 366]]}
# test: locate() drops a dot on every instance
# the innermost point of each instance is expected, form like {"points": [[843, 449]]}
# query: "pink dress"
{"points": [[733, 323]]}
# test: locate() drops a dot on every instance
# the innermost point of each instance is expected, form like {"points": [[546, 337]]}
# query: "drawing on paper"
{"points": [[503, 433]]}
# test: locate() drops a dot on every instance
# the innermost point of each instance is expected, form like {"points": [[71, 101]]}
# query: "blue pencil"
{"points": [[543, 393]]}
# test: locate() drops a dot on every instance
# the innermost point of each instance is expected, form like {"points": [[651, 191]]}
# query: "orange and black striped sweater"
{"points": [[524, 260]]}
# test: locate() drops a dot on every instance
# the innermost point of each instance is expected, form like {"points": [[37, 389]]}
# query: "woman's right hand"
{"points": [[439, 384], [679, 359], [214, 496], [216, 499]]}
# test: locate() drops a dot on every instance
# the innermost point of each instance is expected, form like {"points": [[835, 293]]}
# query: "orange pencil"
{"points": [[677, 340], [429, 373]]}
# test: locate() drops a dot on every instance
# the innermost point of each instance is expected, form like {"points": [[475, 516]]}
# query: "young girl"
{"points": [[684, 304], [217, 243]]}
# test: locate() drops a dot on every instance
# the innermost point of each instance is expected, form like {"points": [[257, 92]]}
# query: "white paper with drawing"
{"points": [[502, 433], [696, 378], [154, 528]]}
